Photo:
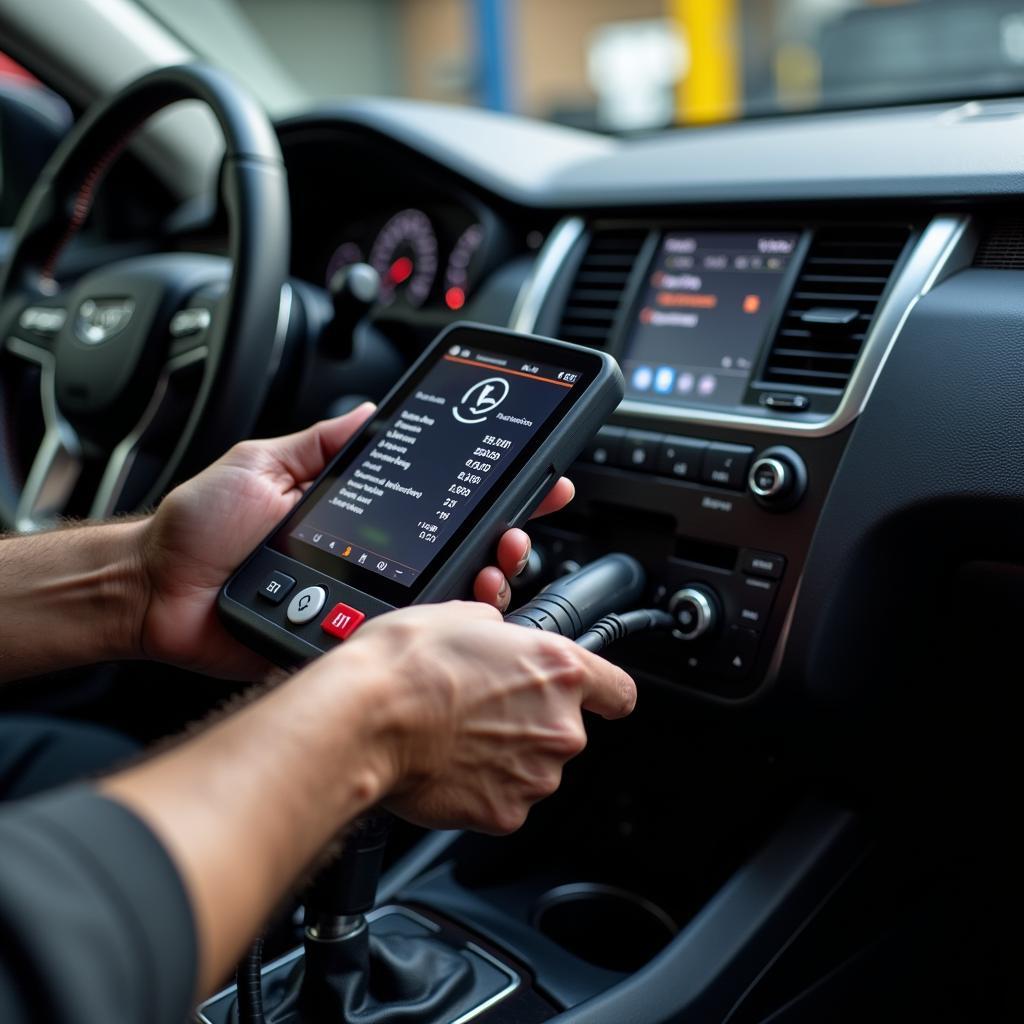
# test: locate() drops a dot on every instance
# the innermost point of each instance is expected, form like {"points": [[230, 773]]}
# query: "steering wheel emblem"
{"points": [[99, 320]]}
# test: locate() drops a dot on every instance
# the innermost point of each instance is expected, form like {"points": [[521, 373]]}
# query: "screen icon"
{"points": [[664, 379], [643, 377], [707, 384], [481, 400], [685, 382], [382, 565], [362, 558], [347, 551]]}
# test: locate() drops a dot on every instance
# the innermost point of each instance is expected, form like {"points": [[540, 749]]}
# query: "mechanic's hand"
{"points": [[478, 716], [204, 528]]}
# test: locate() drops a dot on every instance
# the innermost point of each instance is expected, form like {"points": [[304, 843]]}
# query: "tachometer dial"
{"points": [[456, 275], [405, 256], [344, 256]]}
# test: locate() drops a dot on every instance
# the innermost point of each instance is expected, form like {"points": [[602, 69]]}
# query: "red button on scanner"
{"points": [[342, 621]]}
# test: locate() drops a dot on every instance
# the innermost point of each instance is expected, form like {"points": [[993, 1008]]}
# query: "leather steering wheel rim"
{"points": [[243, 340]]}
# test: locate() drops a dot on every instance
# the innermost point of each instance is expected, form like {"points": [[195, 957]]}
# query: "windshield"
{"points": [[612, 65]]}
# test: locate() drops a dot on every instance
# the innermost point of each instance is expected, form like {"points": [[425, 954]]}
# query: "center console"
{"points": [[748, 350]]}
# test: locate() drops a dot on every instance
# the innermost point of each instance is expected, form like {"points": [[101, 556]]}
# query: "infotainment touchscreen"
{"points": [[709, 301]]}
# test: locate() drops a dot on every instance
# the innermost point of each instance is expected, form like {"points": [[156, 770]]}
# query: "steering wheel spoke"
{"points": [[137, 458], [57, 465]]}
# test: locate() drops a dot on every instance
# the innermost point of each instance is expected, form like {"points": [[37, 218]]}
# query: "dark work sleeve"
{"points": [[95, 923]]}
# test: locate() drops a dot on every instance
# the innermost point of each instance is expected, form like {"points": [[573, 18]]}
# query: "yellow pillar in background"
{"points": [[710, 91]]}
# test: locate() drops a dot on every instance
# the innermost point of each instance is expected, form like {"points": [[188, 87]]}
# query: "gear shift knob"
{"points": [[346, 889]]}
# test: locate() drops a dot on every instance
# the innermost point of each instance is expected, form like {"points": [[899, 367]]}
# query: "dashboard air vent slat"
{"points": [[832, 305], [1002, 247], [598, 285]]}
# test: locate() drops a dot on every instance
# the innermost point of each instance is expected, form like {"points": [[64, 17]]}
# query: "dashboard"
{"points": [[761, 320]]}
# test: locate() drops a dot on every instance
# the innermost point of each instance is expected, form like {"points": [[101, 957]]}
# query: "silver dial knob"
{"points": [[695, 609], [769, 478]]}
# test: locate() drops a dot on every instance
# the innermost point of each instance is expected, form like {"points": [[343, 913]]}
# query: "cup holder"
{"points": [[603, 925]]}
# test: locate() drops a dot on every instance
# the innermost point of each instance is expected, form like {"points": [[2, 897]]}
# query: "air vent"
{"points": [[1002, 247], [832, 306], [596, 292]]}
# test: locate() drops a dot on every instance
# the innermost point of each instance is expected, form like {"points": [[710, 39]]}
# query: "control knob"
{"points": [[695, 609], [778, 478]]}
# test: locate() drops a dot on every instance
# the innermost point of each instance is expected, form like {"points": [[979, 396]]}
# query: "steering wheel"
{"points": [[150, 367]]}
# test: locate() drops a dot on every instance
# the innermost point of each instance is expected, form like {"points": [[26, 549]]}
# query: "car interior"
{"points": [[819, 317]]}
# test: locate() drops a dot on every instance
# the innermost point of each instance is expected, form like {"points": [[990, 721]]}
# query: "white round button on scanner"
{"points": [[306, 605]]}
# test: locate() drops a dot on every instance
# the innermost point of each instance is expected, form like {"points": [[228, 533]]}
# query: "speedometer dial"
{"points": [[457, 274], [405, 256]]}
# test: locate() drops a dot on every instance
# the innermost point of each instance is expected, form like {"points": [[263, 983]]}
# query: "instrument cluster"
{"points": [[424, 258]]}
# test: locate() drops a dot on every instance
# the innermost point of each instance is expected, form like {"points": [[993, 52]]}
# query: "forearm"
{"points": [[70, 597], [246, 806]]}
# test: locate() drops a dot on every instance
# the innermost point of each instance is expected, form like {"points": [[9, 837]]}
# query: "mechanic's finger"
{"points": [[513, 552], [557, 498], [607, 690], [305, 454], [491, 587]]}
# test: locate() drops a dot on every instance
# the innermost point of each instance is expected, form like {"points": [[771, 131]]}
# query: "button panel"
{"points": [[669, 455]]}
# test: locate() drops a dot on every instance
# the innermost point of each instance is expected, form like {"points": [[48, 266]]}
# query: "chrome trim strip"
{"points": [[514, 978], [530, 300], [944, 246], [284, 319]]}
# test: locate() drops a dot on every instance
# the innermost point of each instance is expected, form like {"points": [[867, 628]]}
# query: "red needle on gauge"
{"points": [[400, 270]]}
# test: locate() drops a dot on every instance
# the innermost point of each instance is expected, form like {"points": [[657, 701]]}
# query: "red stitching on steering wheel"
{"points": [[84, 200]]}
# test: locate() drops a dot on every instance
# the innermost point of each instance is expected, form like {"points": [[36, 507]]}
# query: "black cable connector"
{"points": [[249, 979], [569, 605], [617, 625]]}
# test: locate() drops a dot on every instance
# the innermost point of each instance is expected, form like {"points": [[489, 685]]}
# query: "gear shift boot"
{"points": [[403, 969]]}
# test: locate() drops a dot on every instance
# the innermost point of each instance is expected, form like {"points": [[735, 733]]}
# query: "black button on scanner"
{"points": [[276, 587]]}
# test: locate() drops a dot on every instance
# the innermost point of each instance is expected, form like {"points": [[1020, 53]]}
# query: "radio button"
{"points": [[756, 602], [763, 563], [695, 609], [681, 457], [604, 449], [739, 650], [639, 450], [725, 465], [342, 621], [306, 605], [276, 587]]}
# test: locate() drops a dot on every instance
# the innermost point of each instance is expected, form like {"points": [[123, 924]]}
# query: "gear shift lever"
{"points": [[349, 975], [345, 890]]}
